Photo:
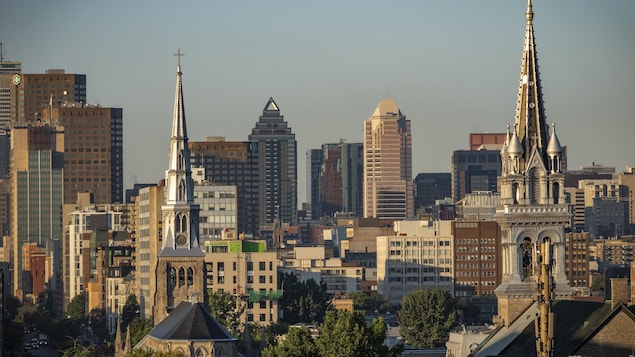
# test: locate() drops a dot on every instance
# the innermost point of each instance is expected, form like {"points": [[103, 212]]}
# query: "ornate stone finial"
{"points": [[530, 12]]}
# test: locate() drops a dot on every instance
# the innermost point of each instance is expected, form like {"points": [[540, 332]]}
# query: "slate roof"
{"points": [[575, 321], [190, 321]]}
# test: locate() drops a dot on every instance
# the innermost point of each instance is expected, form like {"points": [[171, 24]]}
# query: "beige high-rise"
{"points": [[388, 188]]}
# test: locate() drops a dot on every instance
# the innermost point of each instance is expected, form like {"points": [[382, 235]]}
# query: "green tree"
{"points": [[305, 302], [298, 343], [426, 317], [342, 334], [149, 353], [98, 322], [129, 311], [140, 327], [227, 309], [348, 335], [76, 309], [369, 303]]}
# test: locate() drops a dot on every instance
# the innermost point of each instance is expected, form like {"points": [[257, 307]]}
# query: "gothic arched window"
{"points": [[515, 192], [179, 164], [190, 276], [172, 277], [527, 258], [181, 276], [177, 224], [181, 196], [184, 224], [556, 193]]}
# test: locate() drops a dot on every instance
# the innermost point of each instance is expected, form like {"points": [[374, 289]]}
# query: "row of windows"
{"points": [[476, 266], [475, 249], [475, 257], [399, 279], [465, 241], [262, 279], [472, 273], [220, 266]]}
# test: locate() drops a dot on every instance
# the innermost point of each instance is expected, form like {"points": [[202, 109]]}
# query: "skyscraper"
{"points": [[430, 187], [474, 170], [335, 179], [10, 80], [313, 170], [93, 150], [37, 161], [388, 189], [232, 163], [180, 268], [278, 173], [40, 91], [148, 207], [533, 209]]}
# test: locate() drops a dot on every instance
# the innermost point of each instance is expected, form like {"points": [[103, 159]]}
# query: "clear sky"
{"points": [[452, 67]]}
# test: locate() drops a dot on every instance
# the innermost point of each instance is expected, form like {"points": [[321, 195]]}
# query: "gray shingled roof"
{"points": [[574, 322], [190, 321]]}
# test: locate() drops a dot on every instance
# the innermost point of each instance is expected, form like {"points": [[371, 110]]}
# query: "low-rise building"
{"points": [[419, 255]]}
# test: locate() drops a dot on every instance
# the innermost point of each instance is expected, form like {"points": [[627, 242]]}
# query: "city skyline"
{"points": [[327, 69]]}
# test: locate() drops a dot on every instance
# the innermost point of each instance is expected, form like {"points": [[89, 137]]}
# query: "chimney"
{"points": [[619, 291]]}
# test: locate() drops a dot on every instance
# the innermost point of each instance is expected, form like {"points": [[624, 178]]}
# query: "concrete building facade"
{"points": [[419, 255], [249, 272]]}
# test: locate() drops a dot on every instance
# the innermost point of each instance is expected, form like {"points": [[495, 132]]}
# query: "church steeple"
{"points": [[532, 210], [530, 121], [180, 267], [180, 232]]}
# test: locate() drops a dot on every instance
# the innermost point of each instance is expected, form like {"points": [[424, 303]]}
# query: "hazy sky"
{"points": [[452, 67]]}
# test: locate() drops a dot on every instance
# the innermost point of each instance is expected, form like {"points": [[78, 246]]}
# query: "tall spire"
{"points": [[180, 233], [179, 172], [530, 122], [178, 122]]}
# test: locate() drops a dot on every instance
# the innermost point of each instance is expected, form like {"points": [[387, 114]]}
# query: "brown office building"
{"points": [[477, 140], [93, 151], [39, 91], [477, 254], [577, 259]]}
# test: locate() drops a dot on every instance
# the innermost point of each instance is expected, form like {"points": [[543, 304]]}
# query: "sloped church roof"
{"points": [[190, 321]]}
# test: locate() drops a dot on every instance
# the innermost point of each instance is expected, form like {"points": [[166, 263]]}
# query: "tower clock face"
{"points": [[181, 240], [16, 79]]}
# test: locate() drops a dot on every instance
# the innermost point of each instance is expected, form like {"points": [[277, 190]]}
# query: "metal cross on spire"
{"points": [[179, 54]]}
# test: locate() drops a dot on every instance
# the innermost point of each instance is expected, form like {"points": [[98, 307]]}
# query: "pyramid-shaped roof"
{"points": [[190, 321]]}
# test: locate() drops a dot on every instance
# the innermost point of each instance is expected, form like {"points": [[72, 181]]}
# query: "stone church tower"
{"points": [[533, 208], [180, 268]]}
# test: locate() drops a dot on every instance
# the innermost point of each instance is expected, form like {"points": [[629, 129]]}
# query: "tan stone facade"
{"points": [[178, 279], [388, 187]]}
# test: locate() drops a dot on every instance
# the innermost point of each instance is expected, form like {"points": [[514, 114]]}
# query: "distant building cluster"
{"points": [[226, 219]]}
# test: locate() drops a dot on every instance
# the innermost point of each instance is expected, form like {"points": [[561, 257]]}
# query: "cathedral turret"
{"points": [[554, 150], [532, 187]]}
